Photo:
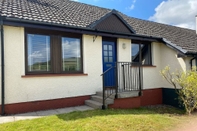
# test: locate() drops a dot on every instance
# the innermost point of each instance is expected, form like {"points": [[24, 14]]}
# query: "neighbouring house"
{"points": [[60, 53]]}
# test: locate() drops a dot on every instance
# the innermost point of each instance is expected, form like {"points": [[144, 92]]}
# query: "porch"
{"points": [[123, 80]]}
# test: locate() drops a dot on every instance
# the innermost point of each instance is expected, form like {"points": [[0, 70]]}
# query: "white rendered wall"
{"points": [[196, 24], [123, 55], [162, 56], [18, 89], [0, 67], [169, 58], [151, 75]]}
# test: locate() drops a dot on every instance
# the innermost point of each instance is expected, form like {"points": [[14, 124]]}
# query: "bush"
{"points": [[185, 84]]}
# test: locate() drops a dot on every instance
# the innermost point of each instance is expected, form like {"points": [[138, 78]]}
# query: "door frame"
{"points": [[114, 52]]}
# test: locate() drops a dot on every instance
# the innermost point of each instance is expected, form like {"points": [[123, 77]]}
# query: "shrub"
{"points": [[185, 84]]}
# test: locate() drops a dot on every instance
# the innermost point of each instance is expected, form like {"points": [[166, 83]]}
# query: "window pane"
{"points": [[110, 53], [145, 53], [105, 47], [38, 53], [105, 59], [71, 54], [105, 53], [110, 47], [110, 59], [146, 56], [135, 52]]}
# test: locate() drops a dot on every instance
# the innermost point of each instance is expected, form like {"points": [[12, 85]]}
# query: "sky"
{"points": [[174, 12]]}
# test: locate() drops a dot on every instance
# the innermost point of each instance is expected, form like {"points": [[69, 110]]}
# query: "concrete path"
{"points": [[190, 124], [38, 114]]}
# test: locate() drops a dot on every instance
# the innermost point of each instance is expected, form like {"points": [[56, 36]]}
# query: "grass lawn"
{"points": [[142, 119]]}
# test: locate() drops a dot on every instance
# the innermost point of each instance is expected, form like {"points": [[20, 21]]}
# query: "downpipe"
{"points": [[2, 69]]}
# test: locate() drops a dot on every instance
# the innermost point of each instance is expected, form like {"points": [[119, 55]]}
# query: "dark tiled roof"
{"points": [[76, 14]]}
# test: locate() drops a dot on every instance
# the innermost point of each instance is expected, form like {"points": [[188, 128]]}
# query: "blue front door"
{"points": [[109, 59]]}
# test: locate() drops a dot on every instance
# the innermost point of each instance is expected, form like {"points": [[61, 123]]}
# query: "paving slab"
{"points": [[6, 119], [39, 114], [47, 113], [83, 108], [66, 110], [24, 116]]}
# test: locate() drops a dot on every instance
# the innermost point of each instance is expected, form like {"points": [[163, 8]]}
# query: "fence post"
{"points": [[116, 76], [140, 79]]}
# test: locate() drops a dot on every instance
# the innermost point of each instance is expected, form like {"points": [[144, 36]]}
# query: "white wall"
{"points": [[162, 56], [18, 89], [151, 75], [0, 66], [196, 24], [169, 58], [123, 55]]}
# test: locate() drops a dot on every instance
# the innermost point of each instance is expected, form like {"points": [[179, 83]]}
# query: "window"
{"points": [[71, 54], [54, 52], [141, 53], [38, 53]]}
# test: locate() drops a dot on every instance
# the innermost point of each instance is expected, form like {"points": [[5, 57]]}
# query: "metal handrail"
{"points": [[127, 76], [107, 70], [105, 96]]}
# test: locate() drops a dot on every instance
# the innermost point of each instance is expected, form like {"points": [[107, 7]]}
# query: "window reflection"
{"points": [[135, 52], [141, 54], [38, 53], [71, 54]]}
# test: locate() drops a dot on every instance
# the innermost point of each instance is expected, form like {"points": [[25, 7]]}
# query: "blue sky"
{"points": [[174, 12], [142, 9]]}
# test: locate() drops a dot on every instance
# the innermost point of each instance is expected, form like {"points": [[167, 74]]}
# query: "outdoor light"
{"points": [[124, 46]]}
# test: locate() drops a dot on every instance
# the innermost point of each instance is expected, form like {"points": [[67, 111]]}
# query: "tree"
{"points": [[185, 84]]}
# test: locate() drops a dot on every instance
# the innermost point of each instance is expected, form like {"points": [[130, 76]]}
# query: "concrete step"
{"points": [[125, 94], [100, 93], [100, 99], [94, 104], [128, 94]]}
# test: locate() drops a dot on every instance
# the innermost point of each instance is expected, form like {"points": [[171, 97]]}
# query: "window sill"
{"points": [[145, 66], [149, 66], [51, 75]]}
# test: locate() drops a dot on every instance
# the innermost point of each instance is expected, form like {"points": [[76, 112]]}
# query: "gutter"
{"points": [[174, 46], [92, 31], [87, 30], [2, 69]]}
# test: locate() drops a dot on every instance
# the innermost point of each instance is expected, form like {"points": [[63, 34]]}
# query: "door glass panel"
{"points": [[105, 53], [110, 53], [105, 59], [110, 47], [110, 59], [105, 47], [108, 65]]}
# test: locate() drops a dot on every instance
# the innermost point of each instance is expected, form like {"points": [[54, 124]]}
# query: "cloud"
{"points": [[71, 47], [132, 5], [176, 12]]}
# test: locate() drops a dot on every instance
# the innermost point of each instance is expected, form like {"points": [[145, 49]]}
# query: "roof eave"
{"points": [[7, 21], [174, 46], [95, 31]]}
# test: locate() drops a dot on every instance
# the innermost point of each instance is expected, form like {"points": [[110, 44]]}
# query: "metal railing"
{"points": [[123, 77], [129, 76], [109, 78]]}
